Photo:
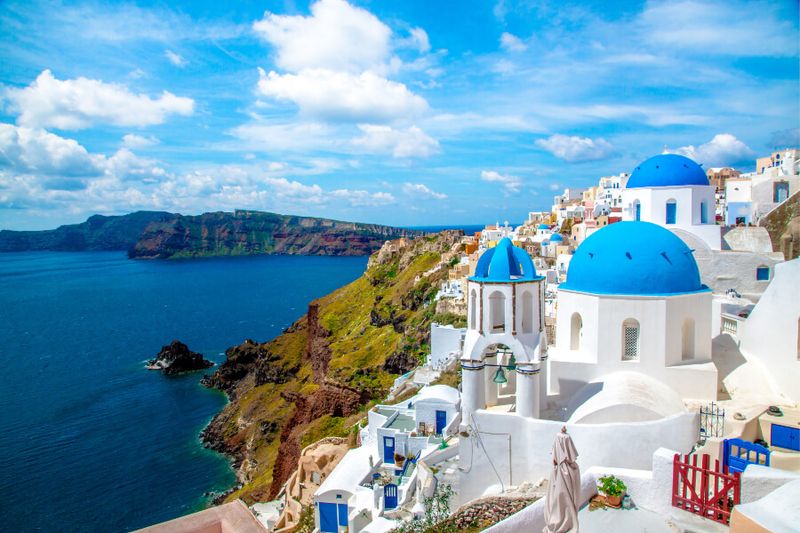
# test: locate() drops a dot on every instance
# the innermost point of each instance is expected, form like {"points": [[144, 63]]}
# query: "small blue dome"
{"points": [[635, 258], [505, 263], [556, 237], [544, 226], [667, 170]]}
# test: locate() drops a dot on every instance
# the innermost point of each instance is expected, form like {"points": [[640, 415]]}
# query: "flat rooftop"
{"points": [[402, 423]]}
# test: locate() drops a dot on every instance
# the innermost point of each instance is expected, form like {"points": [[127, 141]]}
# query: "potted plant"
{"points": [[612, 488], [398, 459]]}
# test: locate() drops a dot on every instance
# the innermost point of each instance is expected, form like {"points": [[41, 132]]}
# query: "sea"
{"points": [[90, 440]]}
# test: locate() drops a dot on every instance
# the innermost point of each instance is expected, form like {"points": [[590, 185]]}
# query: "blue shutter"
{"points": [[343, 514], [672, 207], [327, 518]]}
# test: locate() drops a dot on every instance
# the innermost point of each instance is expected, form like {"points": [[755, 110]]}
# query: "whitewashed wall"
{"points": [[519, 448]]}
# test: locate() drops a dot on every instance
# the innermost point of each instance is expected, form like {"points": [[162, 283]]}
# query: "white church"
{"points": [[632, 357]]}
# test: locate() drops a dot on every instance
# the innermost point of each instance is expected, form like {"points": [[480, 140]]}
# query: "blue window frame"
{"points": [[638, 211], [672, 209], [762, 274]]}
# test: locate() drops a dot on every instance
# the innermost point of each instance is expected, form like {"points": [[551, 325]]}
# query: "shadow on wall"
{"points": [[726, 356]]}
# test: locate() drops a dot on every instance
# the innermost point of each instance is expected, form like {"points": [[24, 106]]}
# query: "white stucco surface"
{"points": [[778, 511], [445, 345], [509, 449], [688, 199], [624, 397], [770, 334], [599, 346]]}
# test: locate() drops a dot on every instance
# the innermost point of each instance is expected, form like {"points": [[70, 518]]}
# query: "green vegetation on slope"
{"points": [[319, 377]]}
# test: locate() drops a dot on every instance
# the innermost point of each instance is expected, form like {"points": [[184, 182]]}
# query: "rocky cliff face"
{"points": [[97, 233], [157, 234], [253, 232], [321, 375]]}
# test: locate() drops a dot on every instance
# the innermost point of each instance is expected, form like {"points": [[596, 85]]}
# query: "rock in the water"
{"points": [[176, 358]]}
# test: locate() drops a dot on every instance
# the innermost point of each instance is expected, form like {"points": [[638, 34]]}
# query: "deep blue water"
{"points": [[89, 439]]}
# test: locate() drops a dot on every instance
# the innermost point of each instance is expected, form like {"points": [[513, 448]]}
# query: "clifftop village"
{"points": [[655, 316]]}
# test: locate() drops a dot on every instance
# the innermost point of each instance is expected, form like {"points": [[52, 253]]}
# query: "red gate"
{"points": [[703, 491]]}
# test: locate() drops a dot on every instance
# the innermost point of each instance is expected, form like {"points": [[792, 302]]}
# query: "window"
{"points": [[687, 351], [672, 209], [630, 340], [637, 210], [576, 332], [703, 212], [527, 312], [497, 309], [780, 191], [473, 310], [762, 273]]}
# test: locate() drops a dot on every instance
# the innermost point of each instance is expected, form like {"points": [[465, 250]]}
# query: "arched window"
{"points": [[672, 210], [473, 310], [527, 312], [703, 212], [687, 349], [576, 332], [497, 312], [630, 340], [637, 210]]}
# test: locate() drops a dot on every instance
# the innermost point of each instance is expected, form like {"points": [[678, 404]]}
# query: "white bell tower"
{"points": [[505, 328]]}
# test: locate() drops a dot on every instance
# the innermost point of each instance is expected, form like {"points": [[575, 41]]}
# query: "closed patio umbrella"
{"points": [[561, 502]]}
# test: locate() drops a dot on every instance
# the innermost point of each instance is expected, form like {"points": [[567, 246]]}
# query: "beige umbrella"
{"points": [[561, 502]]}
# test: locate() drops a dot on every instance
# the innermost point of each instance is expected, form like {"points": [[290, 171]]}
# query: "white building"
{"points": [[450, 289], [505, 311], [633, 301], [619, 386], [551, 244], [368, 485], [446, 342], [751, 196], [673, 191]]}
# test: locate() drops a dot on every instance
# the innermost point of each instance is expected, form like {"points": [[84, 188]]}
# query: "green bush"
{"points": [[611, 486]]}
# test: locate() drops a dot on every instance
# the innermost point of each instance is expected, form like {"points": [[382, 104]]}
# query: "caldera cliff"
{"points": [[321, 375]]}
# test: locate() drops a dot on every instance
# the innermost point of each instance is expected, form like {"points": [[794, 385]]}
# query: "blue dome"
{"points": [[544, 226], [667, 170], [505, 263], [636, 258], [556, 237]]}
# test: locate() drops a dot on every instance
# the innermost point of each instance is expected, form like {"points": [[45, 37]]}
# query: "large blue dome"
{"points": [[505, 263], [633, 258], [667, 170], [556, 237]]}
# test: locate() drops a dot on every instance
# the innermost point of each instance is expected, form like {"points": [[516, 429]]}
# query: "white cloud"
{"points": [[285, 137], [27, 150], [419, 190], [574, 149], [723, 150], [418, 38], [719, 27], [82, 102], [295, 190], [332, 95], [336, 36], [511, 184], [59, 163], [512, 43], [411, 142], [175, 59], [360, 198], [131, 140]]}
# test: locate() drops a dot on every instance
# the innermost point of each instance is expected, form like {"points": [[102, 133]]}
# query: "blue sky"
{"points": [[405, 113]]}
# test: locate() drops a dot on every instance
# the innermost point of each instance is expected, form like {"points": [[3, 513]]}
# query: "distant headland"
{"points": [[161, 235]]}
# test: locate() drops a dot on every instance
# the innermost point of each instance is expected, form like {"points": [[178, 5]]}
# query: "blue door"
{"points": [[785, 437], [390, 496], [328, 522], [638, 211], [388, 449], [441, 421], [671, 210], [738, 453], [343, 514]]}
